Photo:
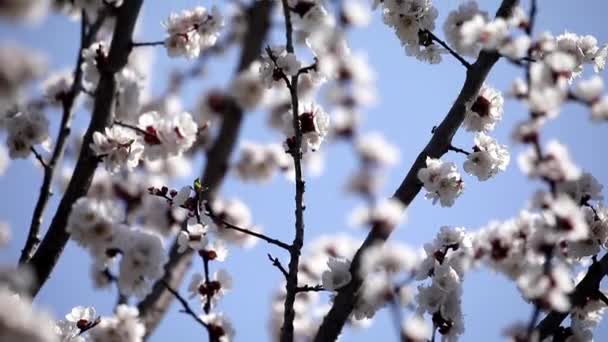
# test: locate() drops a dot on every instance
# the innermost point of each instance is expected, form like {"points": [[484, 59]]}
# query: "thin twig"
{"points": [[155, 43], [309, 288], [260, 236], [458, 150], [39, 157], [452, 52], [186, 307], [276, 263], [287, 330]]}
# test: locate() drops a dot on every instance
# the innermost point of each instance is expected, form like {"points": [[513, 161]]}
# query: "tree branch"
{"points": [[153, 308], [260, 236], [410, 187], [186, 307], [277, 263], [291, 287], [67, 102], [44, 259], [39, 157], [155, 43], [454, 54], [586, 288]]}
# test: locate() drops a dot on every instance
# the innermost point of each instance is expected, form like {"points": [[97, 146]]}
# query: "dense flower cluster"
{"points": [[192, 31], [412, 21], [26, 128], [442, 181]]}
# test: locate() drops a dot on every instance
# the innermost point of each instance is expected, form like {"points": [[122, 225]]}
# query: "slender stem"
{"points": [[287, 330], [452, 52], [132, 127], [309, 288], [155, 43], [602, 297], [186, 307], [39, 157], [458, 150], [260, 236], [276, 263], [68, 100], [207, 306]]}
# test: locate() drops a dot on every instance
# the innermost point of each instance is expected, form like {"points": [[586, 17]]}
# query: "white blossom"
{"points": [[20, 321], [167, 135], [338, 275], [483, 113], [442, 181], [452, 27], [26, 128], [120, 148], [314, 125], [124, 326], [194, 237], [192, 31], [487, 158]]}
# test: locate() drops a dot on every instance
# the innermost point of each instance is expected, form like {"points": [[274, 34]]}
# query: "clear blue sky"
{"points": [[413, 97]]}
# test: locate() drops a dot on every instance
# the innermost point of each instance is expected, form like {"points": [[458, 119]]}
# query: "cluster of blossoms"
{"points": [[487, 158], [483, 113], [413, 20], [97, 225], [447, 259], [57, 85], [386, 271], [314, 125], [18, 67], [442, 181], [157, 137], [192, 31], [375, 153], [276, 63], [21, 321], [120, 147], [26, 128], [477, 31], [259, 162]]}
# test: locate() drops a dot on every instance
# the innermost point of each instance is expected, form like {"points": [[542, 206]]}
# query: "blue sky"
{"points": [[412, 98]]}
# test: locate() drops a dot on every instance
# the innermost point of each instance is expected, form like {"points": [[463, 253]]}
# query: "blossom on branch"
{"points": [[442, 181]]}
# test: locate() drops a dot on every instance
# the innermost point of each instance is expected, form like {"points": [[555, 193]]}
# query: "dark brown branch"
{"points": [[287, 330], [45, 258], [451, 51], [587, 288], [410, 187], [67, 102], [153, 308], [277, 263]]}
